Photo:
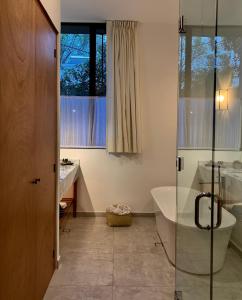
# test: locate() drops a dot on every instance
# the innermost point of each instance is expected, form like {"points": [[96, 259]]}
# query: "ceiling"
{"points": [[165, 11], [196, 12]]}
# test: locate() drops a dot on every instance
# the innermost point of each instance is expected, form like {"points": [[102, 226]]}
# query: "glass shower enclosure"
{"points": [[209, 157]]}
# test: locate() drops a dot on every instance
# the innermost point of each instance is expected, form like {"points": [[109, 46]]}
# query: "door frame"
{"points": [[56, 167]]}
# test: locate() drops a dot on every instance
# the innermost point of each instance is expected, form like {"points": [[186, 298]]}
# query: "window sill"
{"points": [[83, 148]]}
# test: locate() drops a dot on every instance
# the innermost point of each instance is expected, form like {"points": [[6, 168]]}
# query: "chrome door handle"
{"points": [[197, 209], [35, 181]]}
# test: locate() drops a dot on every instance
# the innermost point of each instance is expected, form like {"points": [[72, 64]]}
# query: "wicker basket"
{"points": [[117, 220]]}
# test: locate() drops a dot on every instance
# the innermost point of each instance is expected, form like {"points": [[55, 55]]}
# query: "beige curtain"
{"points": [[123, 107]]}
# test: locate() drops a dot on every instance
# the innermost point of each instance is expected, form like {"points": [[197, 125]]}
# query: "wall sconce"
{"points": [[222, 100]]}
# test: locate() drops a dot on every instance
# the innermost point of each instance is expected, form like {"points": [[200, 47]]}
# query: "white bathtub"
{"points": [[187, 246]]}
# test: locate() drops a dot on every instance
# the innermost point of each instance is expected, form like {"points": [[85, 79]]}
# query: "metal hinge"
{"points": [[54, 168], [55, 52]]}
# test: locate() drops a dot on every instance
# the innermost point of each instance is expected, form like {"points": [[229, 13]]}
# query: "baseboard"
{"points": [[103, 214], [143, 214]]}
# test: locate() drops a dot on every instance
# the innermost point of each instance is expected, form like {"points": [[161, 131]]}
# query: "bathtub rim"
{"points": [[187, 225]]}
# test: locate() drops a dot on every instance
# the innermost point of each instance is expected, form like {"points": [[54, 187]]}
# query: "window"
{"points": [[196, 65], [83, 85]]}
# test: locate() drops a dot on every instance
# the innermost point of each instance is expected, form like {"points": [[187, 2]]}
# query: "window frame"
{"points": [[93, 29], [87, 28]]}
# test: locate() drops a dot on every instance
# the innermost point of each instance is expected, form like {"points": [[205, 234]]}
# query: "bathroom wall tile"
{"points": [[147, 293], [79, 293], [142, 269]]}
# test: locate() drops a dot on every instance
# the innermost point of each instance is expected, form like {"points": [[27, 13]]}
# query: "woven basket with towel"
{"points": [[119, 215]]}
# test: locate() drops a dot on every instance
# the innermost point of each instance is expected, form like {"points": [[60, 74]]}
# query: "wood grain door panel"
{"points": [[27, 149], [17, 71], [45, 147]]}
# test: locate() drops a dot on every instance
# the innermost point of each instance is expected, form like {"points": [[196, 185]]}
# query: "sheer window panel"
{"points": [[83, 122], [195, 125]]}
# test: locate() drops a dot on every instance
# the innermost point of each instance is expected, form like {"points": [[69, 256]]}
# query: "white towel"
{"points": [[119, 209], [63, 204]]}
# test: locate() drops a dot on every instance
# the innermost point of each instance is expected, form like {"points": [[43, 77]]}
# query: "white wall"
{"points": [[101, 10], [53, 9], [109, 179]]}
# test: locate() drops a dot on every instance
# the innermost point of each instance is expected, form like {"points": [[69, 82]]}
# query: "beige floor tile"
{"points": [[84, 273], [231, 274], [143, 293], [135, 242], [218, 294], [229, 277], [98, 260], [139, 224], [79, 293], [87, 241], [85, 257], [142, 269]]}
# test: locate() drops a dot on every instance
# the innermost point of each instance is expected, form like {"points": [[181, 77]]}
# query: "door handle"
{"points": [[219, 211], [35, 181], [197, 210]]}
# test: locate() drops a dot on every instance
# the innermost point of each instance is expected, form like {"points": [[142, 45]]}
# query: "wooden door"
{"points": [[27, 222], [17, 205], [45, 147]]}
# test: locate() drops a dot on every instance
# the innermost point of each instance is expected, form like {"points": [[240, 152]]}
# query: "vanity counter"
{"points": [[68, 175]]}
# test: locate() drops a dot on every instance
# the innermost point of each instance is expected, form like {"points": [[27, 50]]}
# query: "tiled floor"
{"points": [[99, 262], [227, 282]]}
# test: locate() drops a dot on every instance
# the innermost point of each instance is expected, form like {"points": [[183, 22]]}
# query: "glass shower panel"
{"points": [[227, 239], [195, 144]]}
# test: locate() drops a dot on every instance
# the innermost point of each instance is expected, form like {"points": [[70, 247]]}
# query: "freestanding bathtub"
{"points": [[187, 246]]}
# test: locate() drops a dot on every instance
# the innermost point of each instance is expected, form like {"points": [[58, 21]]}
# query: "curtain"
{"points": [[123, 107], [83, 121], [195, 125]]}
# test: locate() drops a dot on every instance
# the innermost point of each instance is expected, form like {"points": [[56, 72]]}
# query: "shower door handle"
{"points": [[197, 210], [219, 211]]}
